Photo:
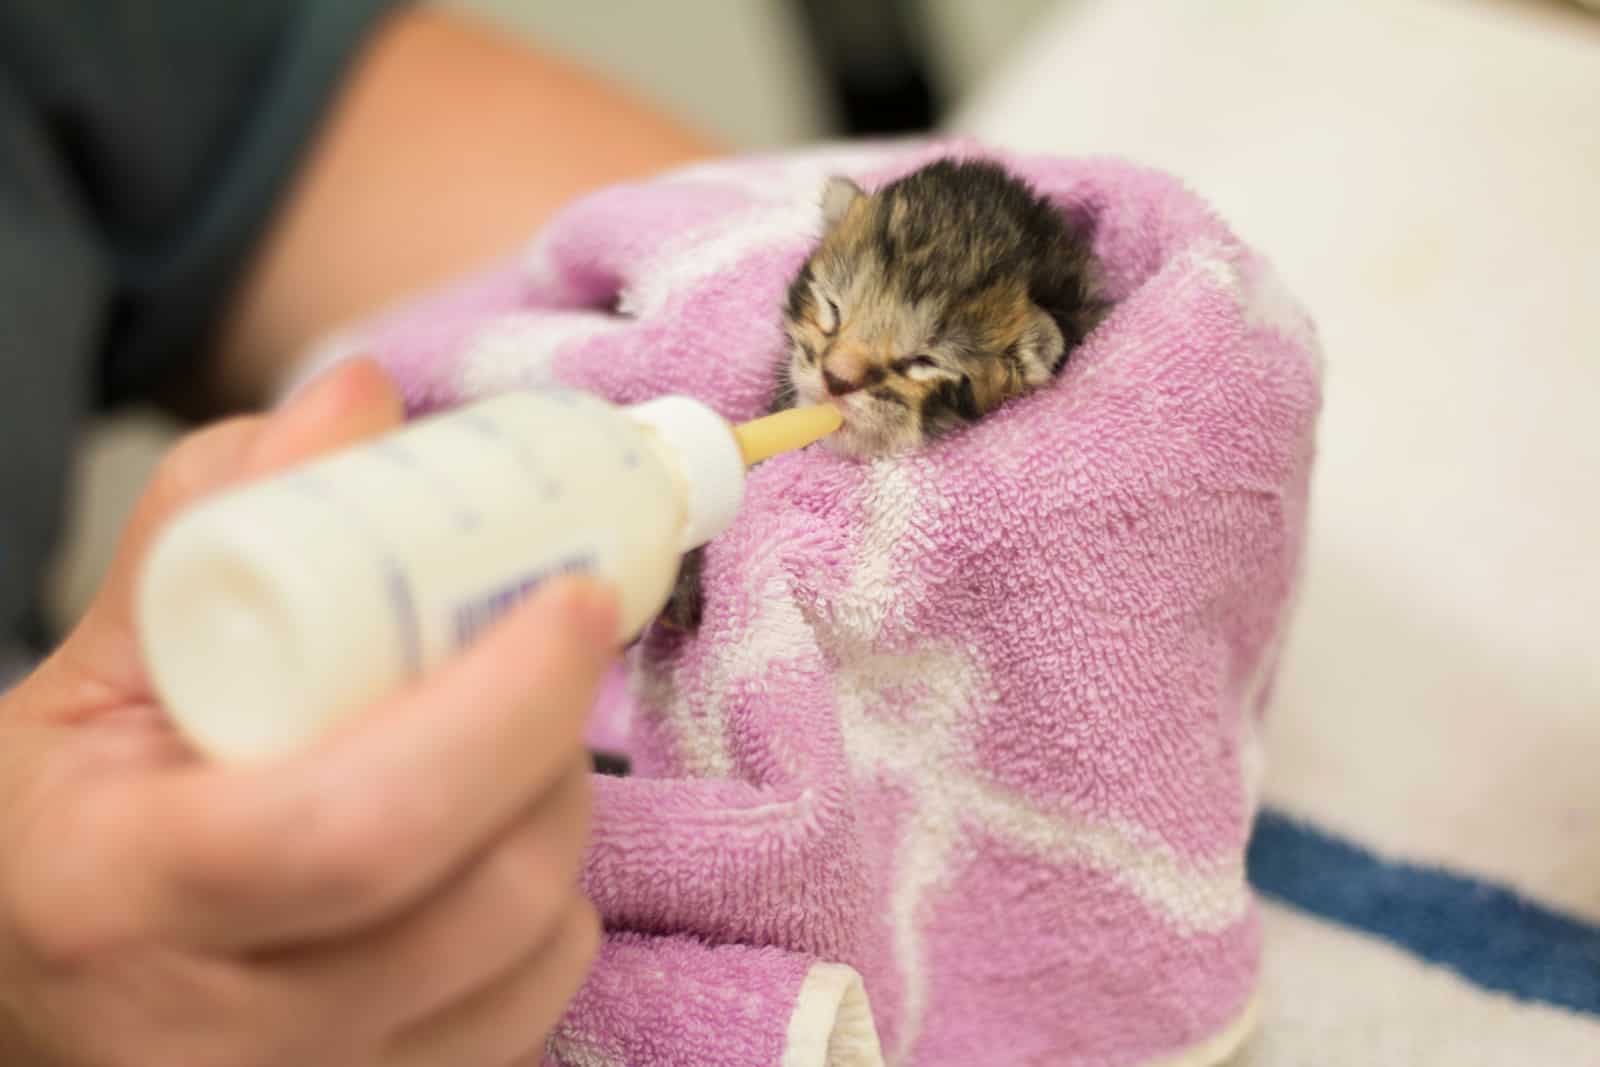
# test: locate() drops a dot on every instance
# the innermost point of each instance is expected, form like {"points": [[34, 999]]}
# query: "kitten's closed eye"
{"points": [[920, 367], [827, 311], [966, 288]]}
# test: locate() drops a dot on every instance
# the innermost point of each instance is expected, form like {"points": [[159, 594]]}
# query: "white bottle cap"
{"points": [[700, 445]]}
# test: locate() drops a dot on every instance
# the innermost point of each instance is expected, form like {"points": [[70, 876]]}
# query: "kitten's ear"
{"points": [[837, 196], [1040, 347]]}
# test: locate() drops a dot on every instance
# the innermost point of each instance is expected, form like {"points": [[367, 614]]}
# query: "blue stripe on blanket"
{"points": [[1487, 934]]}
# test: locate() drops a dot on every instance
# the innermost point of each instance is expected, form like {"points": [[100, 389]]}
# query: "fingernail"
{"points": [[317, 403], [340, 386], [318, 383]]}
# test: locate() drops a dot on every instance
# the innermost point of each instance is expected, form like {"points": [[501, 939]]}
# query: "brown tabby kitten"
{"points": [[927, 305]]}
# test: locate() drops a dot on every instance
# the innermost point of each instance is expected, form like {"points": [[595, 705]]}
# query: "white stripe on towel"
{"points": [[832, 1022], [517, 350]]}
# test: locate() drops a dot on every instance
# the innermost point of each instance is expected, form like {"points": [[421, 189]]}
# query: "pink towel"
{"points": [[961, 764]]}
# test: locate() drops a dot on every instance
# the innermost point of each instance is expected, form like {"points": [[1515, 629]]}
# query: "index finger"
{"points": [[361, 826]]}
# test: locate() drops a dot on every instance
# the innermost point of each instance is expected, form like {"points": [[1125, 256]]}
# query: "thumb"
{"points": [[352, 402]]}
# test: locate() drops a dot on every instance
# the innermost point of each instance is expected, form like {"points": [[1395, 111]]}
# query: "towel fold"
{"points": [[678, 1001], [976, 727]]}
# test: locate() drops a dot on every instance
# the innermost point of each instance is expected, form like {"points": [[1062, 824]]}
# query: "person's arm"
{"points": [[449, 145]]}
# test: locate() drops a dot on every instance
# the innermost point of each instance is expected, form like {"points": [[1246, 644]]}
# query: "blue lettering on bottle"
{"points": [[474, 615]]}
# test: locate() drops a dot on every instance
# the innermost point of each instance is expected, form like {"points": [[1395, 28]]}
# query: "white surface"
{"points": [[1427, 177], [1332, 1001], [967, 39]]}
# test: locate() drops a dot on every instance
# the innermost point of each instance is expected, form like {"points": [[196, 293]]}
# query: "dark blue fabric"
{"points": [[144, 145], [1488, 934]]}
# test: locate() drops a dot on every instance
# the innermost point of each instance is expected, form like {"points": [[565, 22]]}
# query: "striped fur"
{"points": [[932, 301]]}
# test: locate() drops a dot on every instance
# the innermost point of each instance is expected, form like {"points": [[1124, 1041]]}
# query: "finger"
{"points": [[511, 1020], [357, 829], [467, 937], [350, 403]]}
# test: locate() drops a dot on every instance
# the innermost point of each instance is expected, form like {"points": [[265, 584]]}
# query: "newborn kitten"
{"points": [[933, 301], [927, 305]]}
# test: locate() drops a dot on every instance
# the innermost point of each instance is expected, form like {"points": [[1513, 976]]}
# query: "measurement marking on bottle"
{"points": [[525, 458], [404, 605], [402, 602], [466, 518]]}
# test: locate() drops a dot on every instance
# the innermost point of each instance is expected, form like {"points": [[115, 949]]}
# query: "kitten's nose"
{"points": [[837, 386]]}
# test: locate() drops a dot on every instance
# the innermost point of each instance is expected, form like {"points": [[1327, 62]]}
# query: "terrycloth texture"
{"points": [[1438, 708], [677, 1000], [981, 722]]}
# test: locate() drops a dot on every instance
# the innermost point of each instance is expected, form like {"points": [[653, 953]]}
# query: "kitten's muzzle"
{"points": [[842, 385], [849, 366]]}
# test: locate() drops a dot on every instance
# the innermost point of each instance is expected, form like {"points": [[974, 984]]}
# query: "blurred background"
{"points": [[765, 73], [753, 74], [1426, 175]]}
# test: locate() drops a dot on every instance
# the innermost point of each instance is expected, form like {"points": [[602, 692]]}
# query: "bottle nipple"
{"points": [[785, 431]]}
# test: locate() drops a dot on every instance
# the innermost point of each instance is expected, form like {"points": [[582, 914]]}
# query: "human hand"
{"points": [[404, 892]]}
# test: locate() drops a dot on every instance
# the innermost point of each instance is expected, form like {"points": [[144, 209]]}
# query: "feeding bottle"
{"points": [[269, 612]]}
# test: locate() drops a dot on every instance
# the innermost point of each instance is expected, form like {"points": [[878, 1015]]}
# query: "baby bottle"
{"points": [[269, 612]]}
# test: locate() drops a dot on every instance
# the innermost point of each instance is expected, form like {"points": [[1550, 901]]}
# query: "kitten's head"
{"points": [[915, 313]]}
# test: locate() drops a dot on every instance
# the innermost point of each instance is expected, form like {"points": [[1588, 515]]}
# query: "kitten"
{"points": [[933, 301], [927, 305]]}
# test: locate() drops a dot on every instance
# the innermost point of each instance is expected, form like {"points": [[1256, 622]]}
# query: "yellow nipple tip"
{"points": [[785, 431]]}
